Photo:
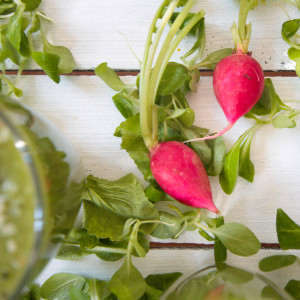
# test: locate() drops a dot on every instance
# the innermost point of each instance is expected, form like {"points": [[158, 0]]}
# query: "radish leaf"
{"points": [[127, 283]]}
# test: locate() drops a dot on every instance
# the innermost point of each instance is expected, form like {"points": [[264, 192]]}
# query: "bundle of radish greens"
{"points": [[176, 157]]}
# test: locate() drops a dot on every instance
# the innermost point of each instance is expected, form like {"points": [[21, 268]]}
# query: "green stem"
{"points": [[106, 249], [164, 58], [145, 108]]}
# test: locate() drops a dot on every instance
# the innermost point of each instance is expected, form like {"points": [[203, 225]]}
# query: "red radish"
{"points": [[176, 168], [238, 78], [180, 173], [238, 85]]}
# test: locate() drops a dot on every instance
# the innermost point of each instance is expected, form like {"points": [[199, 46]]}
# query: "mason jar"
{"points": [[41, 180], [227, 283]]}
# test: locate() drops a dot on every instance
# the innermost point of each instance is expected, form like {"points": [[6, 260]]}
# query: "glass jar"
{"points": [[229, 283], [41, 180]]}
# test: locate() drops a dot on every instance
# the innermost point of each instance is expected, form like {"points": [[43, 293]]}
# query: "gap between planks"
{"points": [[168, 246], [135, 73]]}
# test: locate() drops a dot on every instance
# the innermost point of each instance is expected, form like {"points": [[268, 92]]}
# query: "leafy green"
{"points": [[213, 59], [288, 30], [110, 77], [49, 63], [32, 4], [229, 174], [57, 286], [218, 152], [14, 27], [125, 104], [237, 238], [133, 143], [286, 119], [220, 251], [275, 262], [127, 283], [175, 75], [162, 281], [288, 232], [293, 288], [66, 61], [236, 275]]}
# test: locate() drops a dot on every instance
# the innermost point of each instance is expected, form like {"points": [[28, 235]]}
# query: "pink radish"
{"points": [[238, 79], [180, 173], [176, 168]]}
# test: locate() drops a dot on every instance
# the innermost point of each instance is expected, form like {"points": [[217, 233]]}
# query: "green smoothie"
{"points": [[33, 173], [17, 202]]}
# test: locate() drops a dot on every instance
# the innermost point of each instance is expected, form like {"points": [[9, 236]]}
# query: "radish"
{"points": [[238, 79], [176, 167], [180, 173]]}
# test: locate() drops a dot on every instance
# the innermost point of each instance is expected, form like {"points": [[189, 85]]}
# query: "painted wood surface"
{"points": [[95, 30], [82, 107]]}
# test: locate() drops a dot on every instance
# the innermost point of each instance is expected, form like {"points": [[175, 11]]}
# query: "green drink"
{"points": [[41, 181]]}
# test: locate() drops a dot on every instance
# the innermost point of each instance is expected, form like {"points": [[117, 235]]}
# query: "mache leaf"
{"points": [[275, 262], [288, 232]]}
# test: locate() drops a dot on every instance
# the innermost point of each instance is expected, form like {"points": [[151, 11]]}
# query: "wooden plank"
{"points": [[186, 261], [95, 31], [81, 106]]}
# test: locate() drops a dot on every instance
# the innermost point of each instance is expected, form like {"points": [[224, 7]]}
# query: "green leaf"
{"points": [[237, 238], [195, 77], [49, 63], [270, 293], [36, 24], [10, 51], [125, 197], [66, 60], [228, 176], [81, 237], [275, 262], [187, 118], [57, 286], [98, 289], [33, 294], [201, 147], [151, 293], [154, 193], [76, 294], [134, 144], [31, 4], [127, 283], [24, 46], [162, 281], [163, 231], [174, 77], [220, 251], [288, 232], [125, 105], [288, 30], [294, 53], [110, 77], [102, 221], [70, 252], [293, 288], [109, 255], [14, 27], [246, 166], [218, 153], [286, 120], [236, 275], [214, 58]]}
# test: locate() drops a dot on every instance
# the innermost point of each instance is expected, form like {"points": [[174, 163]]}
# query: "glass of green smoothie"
{"points": [[41, 180], [227, 283]]}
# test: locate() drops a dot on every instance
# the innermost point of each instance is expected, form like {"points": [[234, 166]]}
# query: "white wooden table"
{"points": [[81, 106]]}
